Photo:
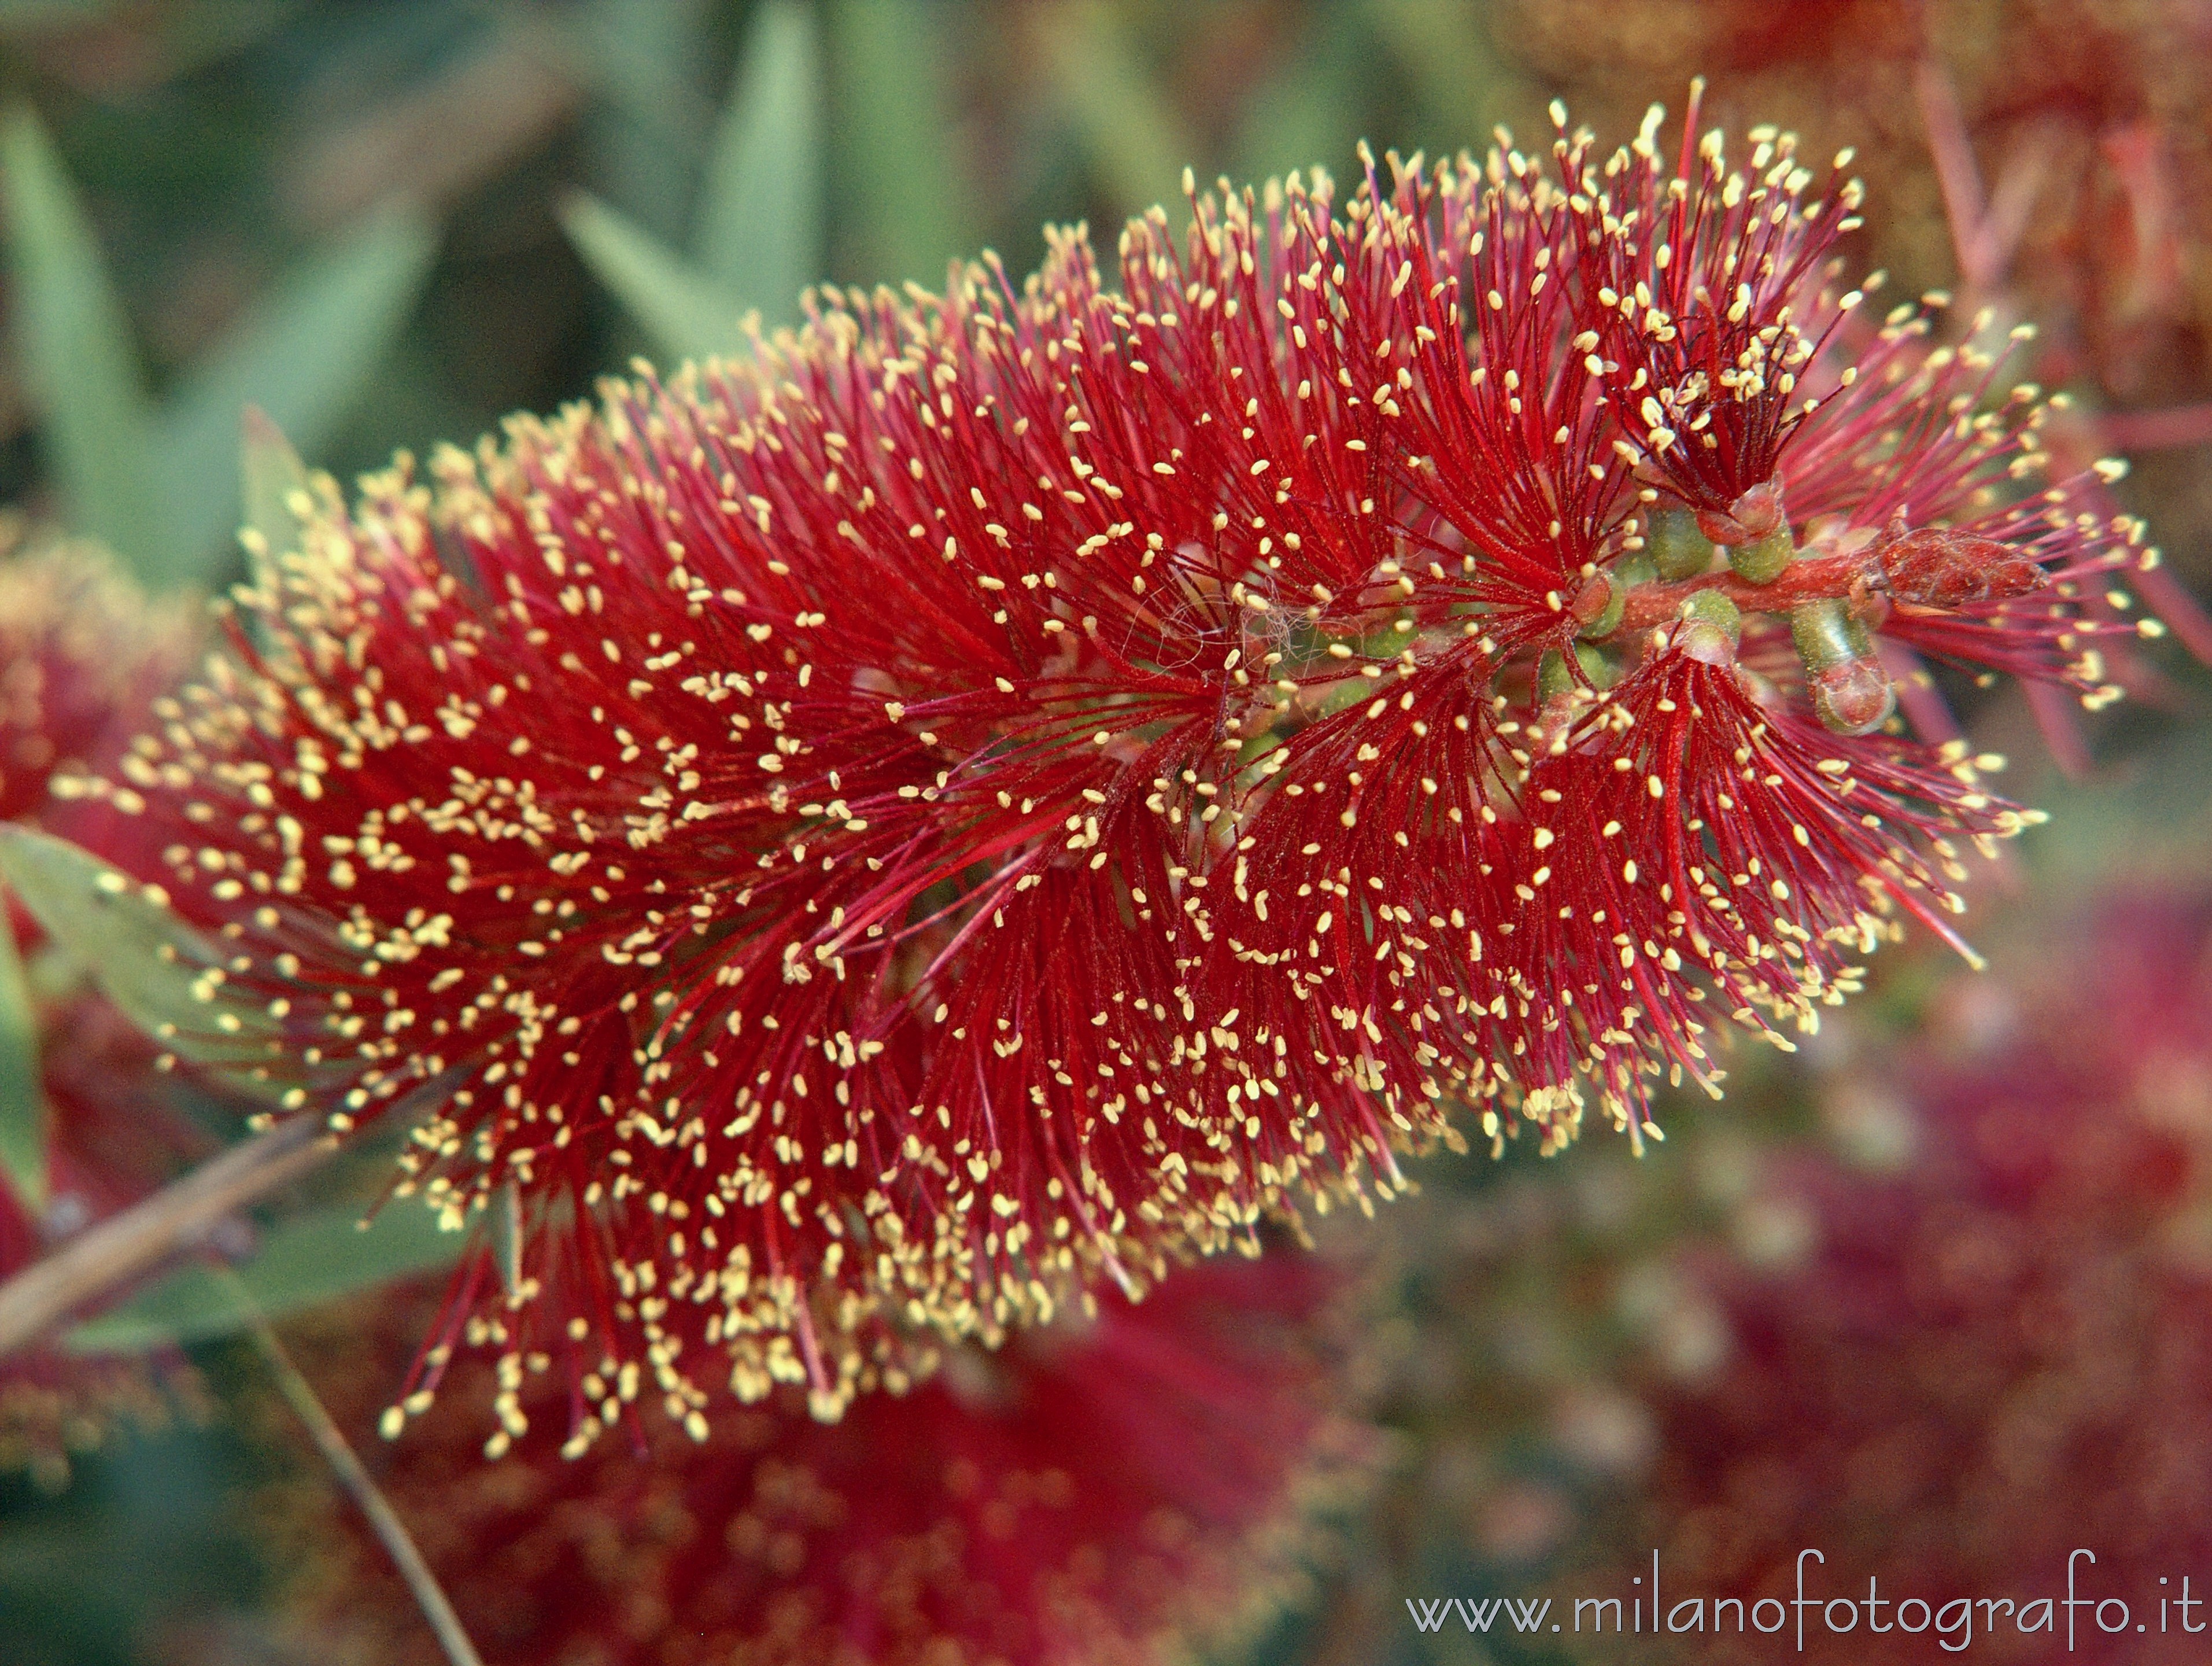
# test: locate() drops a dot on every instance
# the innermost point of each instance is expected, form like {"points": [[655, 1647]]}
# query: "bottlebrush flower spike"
{"points": [[1128, 1490], [1707, 289], [999, 792], [1746, 840], [1753, 399]]}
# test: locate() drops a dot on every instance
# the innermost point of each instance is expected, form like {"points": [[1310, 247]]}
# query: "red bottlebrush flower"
{"points": [[1707, 289], [1124, 1490], [1001, 792], [1999, 1351], [81, 653], [1923, 450], [1751, 401]]}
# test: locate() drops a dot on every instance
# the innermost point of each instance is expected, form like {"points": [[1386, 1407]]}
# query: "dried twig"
{"points": [[119, 1248]]}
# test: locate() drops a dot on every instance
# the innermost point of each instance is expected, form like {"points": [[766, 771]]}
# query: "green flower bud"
{"points": [[1850, 689], [1761, 560], [1677, 549], [1711, 628], [1597, 664], [1827, 634], [1552, 677], [1627, 573]]}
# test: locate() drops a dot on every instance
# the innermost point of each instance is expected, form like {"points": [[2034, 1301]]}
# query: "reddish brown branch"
{"points": [[1933, 567], [1802, 580]]}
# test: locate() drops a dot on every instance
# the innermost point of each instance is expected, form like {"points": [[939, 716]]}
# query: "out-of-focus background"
{"points": [[389, 222]]}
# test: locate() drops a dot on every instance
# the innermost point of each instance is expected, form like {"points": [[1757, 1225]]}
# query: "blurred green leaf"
{"points": [[314, 1257], [1445, 48], [302, 355], [913, 211], [164, 977], [758, 233], [22, 1105], [155, 485], [757, 240], [648, 129], [77, 351], [1134, 139], [684, 314], [1307, 113]]}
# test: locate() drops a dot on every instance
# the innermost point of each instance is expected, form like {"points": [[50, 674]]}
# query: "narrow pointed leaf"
{"points": [[163, 974], [653, 112], [22, 1106], [77, 351], [680, 309], [759, 230], [319, 1257], [302, 356], [914, 209]]}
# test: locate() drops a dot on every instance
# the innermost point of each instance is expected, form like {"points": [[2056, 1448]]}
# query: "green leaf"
{"points": [[22, 1105], [1306, 114], [165, 977], [651, 114], [758, 236], [683, 312], [1445, 48], [315, 1258], [272, 481], [78, 354], [912, 210], [302, 354], [1135, 141]]}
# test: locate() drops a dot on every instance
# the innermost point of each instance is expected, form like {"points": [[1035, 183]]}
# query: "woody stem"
{"points": [[1818, 578]]}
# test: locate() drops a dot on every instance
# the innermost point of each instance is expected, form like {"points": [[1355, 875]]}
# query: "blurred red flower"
{"points": [[2001, 1352], [81, 654], [1123, 1490]]}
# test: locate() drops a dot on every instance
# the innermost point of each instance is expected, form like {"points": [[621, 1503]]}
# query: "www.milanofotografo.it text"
{"points": [[1951, 1623]]}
